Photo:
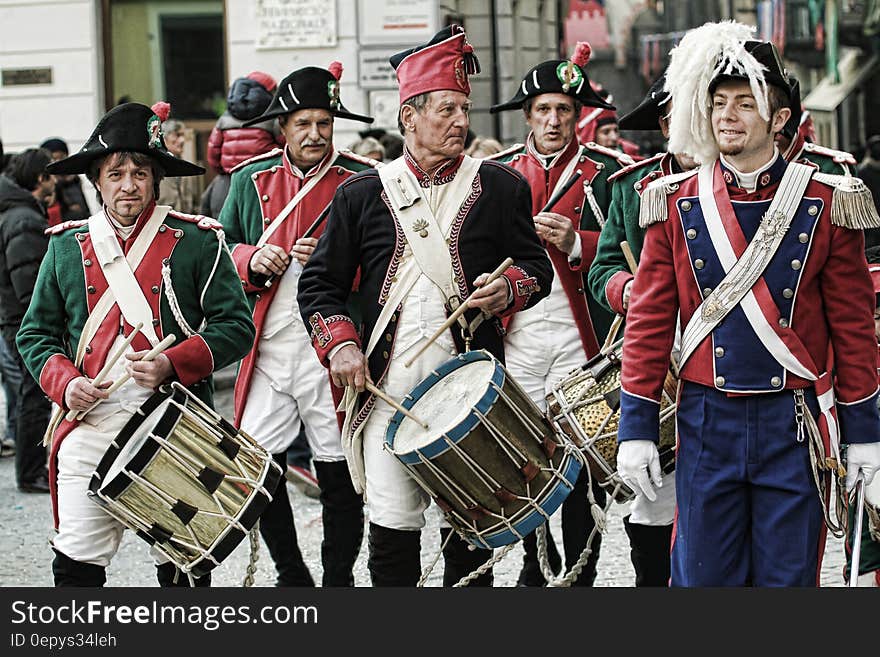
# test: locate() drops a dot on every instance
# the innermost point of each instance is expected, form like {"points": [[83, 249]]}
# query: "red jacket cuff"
{"points": [[589, 244], [241, 256], [614, 290], [522, 285], [191, 359], [327, 332], [57, 373]]}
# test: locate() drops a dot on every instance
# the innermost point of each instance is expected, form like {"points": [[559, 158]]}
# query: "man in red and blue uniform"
{"points": [[748, 511]]}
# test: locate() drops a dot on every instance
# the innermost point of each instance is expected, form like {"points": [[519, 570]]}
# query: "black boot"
{"points": [[68, 572], [395, 556], [649, 550], [170, 576], [531, 574], [279, 533], [577, 523], [343, 516], [459, 560]]}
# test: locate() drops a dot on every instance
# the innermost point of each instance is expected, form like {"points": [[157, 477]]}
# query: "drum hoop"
{"points": [[457, 433], [143, 456]]}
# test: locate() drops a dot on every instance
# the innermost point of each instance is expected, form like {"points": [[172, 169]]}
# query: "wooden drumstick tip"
{"points": [[395, 405]]}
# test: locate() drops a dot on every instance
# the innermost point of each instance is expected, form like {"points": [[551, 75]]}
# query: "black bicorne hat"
{"points": [[130, 127], [766, 54], [791, 126], [308, 88], [556, 76], [646, 115]]}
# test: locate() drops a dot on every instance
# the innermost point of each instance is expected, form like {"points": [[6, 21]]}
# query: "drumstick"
{"points": [[309, 232], [108, 365], [150, 355], [390, 401], [458, 312], [558, 195], [630, 258]]}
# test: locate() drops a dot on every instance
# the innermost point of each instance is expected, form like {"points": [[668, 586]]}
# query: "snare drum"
{"points": [[489, 459], [585, 406], [185, 480]]}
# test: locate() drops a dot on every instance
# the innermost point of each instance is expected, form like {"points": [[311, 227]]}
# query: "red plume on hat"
{"points": [[582, 52], [335, 69], [162, 110]]}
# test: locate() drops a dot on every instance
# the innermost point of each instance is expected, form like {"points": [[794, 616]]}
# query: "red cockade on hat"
{"points": [[440, 66]]}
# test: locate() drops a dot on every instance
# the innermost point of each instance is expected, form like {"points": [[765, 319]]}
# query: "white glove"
{"points": [[864, 457], [635, 459]]}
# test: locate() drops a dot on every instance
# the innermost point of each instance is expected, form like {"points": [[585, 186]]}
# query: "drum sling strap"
{"points": [[737, 289], [100, 310]]}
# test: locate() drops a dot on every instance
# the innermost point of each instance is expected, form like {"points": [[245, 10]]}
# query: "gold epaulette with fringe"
{"points": [[652, 208], [851, 203], [622, 158]]}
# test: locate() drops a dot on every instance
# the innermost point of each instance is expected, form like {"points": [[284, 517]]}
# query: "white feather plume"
{"points": [[703, 54]]}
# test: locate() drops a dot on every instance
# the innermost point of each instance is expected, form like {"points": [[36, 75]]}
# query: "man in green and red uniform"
{"points": [[273, 200], [177, 278], [564, 330]]}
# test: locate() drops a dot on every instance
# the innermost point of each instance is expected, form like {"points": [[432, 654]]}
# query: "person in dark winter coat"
{"points": [[230, 144], [70, 201], [23, 189]]}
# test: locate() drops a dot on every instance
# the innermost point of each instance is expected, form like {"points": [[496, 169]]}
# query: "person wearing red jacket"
{"points": [[762, 261]]}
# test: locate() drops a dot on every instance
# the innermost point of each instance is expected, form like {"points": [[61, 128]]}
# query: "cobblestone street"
{"points": [[26, 527]]}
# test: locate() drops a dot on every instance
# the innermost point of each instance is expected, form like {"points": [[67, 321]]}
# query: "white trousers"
{"points": [[393, 498], [289, 386], [86, 532], [538, 356]]}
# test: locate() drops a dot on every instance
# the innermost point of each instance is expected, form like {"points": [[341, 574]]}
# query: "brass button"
{"points": [[267, 221], [813, 210], [775, 382], [155, 322], [88, 350], [691, 233], [788, 293], [388, 337], [178, 234], [385, 354], [81, 236], [719, 381], [707, 291], [686, 205], [163, 228], [637, 186], [155, 289], [254, 176], [258, 297], [91, 289], [600, 166], [582, 159], [87, 262], [795, 264], [274, 169], [577, 208], [783, 322], [265, 197], [699, 264], [803, 237], [719, 352]]}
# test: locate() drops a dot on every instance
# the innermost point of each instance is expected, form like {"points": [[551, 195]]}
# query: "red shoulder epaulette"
{"points": [[505, 152], [65, 225], [275, 152], [841, 157], [351, 155], [624, 159], [200, 220], [635, 166]]}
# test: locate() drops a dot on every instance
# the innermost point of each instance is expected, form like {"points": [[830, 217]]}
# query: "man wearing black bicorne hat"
{"points": [[270, 215]]}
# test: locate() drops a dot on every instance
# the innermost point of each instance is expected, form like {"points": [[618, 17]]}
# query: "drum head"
{"points": [[132, 449], [446, 400]]}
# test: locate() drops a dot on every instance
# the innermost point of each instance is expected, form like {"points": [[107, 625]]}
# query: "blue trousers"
{"points": [[748, 513]]}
